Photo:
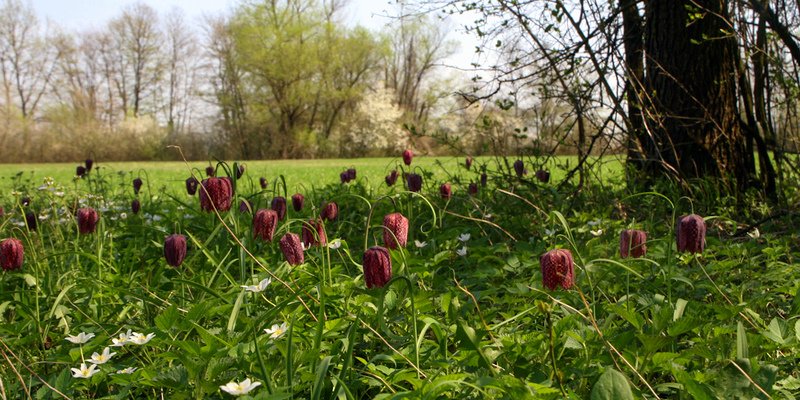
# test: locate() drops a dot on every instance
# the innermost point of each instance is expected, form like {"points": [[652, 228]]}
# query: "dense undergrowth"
{"points": [[465, 316]]}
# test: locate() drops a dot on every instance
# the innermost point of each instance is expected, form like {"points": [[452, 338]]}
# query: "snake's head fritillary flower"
{"points": [[87, 220], [292, 249], [377, 267], [691, 234], [137, 184], [264, 223], [175, 249], [632, 243], [395, 230], [407, 157], [558, 269], [11, 254]]}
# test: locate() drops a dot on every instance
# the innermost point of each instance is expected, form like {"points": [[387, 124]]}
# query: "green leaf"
{"points": [[777, 331], [741, 341], [797, 329], [167, 319], [29, 279], [680, 307], [612, 385]]}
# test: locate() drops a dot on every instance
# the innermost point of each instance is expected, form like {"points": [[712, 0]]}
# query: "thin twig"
{"points": [[419, 371]]}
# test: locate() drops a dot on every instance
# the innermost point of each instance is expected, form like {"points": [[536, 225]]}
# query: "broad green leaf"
{"points": [[680, 307], [612, 385]]}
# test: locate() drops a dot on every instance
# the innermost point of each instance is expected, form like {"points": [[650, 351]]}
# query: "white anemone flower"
{"points": [[124, 338], [101, 358], [80, 338], [240, 388], [755, 234], [464, 237], [420, 244], [277, 330], [335, 244], [462, 251], [596, 233], [128, 370], [140, 338], [84, 372], [259, 287]]}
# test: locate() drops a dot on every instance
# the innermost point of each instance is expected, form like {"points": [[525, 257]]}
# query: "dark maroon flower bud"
{"points": [[264, 223], [519, 168], [263, 182], [472, 189], [691, 234], [2, 211], [632, 243], [407, 157], [557, 269], [191, 185], [244, 206], [395, 230], [89, 164], [11, 254], [87, 220], [468, 162], [484, 178], [377, 267], [137, 184], [414, 182], [279, 205], [446, 191], [314, 233], [210, 171], [26, 201], [30, 220], [80, 171], [239, 171], [344, 177], [543, 176], [136, 206], [292, 249], [175, 249], [216, 193], [297, 201], [391, 178], [330, 211]]}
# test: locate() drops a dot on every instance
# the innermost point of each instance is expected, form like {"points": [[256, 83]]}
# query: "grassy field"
{"points": [[409, 295], [300, 175]]}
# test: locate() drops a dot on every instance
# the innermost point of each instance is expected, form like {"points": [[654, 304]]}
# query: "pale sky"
{"points": [[81, 15]]}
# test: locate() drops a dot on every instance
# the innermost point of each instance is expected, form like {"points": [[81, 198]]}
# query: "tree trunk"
{"points": [[691, 80], [634, 79]]}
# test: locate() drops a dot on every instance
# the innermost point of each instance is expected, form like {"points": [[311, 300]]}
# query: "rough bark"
{"points": [[691, 77]]}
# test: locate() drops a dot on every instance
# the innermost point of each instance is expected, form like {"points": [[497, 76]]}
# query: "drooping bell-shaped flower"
{"points": [[543, 176], [414, 182], [216, 193], [210, 171], [446, 191], [691, 234], [239, 170], [264, 223], [87, 220], [558, 269], [137, 184], [314, 233], [80, 171], [292, 248], [468, 162], [377, 267], [136, 206], [395, 230], [407, 157], [175, 249], [391, 178], [30, 220], [519, 168], [484, 178], [472, 189], [279, 205], [297, 201], [632, 243], [263, 182], [191, 185], [89, 164], [330, 211], [11, 254]]}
